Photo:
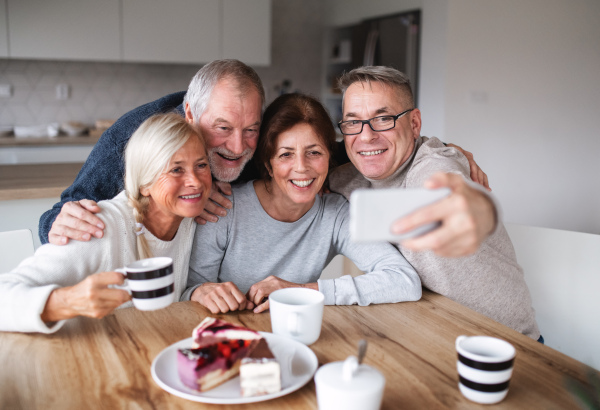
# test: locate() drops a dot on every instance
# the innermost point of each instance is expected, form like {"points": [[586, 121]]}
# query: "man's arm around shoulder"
{"points": [[100, 178]]}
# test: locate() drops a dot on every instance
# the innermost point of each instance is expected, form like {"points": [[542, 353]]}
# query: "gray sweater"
{"points": [[247, 246], [490, 282]]}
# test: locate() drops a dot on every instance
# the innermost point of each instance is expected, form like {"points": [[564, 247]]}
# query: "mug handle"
{"points": [[294, 324], [125, 285]]}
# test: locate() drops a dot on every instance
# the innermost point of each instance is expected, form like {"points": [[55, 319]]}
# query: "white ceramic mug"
{"points": [[484, 366], [349, 386], [150, 282], [297, 313]]}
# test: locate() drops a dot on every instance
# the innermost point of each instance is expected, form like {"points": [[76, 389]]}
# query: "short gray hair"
{"points": [[385, 75], [203, 83]]}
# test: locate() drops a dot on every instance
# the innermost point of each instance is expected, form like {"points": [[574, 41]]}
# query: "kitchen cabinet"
{"points": [[175, 31], [64, 29], [391, 41], [197, 31], [247, 31], [182, 31], [3, 30]]}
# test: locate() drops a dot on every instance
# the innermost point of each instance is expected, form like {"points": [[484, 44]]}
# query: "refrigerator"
{"points": [[392, 40]]}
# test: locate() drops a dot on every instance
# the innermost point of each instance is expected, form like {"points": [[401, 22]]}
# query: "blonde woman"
{"points": [[167, 183]]}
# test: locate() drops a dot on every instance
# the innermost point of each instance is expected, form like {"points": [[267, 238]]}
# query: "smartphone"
{"points": [[372, 212]]}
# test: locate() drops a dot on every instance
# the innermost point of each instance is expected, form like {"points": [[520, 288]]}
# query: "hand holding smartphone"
{"points": [[372, 212]]}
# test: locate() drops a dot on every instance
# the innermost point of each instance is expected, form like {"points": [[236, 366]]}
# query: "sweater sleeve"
{"points": [[210, 244], [25, 290], [101, 176], [388, 277], [432, 157]]}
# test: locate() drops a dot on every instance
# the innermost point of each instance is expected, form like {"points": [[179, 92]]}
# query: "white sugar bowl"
{"points": [[349, 386]]}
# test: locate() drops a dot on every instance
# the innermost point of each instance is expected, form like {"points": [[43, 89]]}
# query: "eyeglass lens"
{"points": [[377, 124]]}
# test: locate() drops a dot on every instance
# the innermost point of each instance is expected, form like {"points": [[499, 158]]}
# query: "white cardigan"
{"points": [[25, 290]]}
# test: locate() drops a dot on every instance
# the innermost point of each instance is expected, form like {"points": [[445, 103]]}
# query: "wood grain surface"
{"points": [[31, 181], [93, 364]]}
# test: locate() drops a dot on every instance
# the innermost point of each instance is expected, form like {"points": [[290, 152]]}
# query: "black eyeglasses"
{"points": [[381, 123]]}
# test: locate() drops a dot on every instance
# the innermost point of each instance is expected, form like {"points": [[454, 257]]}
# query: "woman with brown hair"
{"points": [[282, 233]]}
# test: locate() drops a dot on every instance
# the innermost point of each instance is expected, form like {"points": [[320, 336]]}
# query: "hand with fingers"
{"points": [[477, 174], [260, 291], [92, 297], [467, 217], [76, 220], [221, 297], [218, 203]]}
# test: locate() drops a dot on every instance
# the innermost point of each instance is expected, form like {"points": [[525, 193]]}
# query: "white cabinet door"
{"points": [[3, 30], [64, 29], [174, 31], [247, 31]]}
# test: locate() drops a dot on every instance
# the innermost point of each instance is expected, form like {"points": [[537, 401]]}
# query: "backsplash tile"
{"points": [[96, 90]]}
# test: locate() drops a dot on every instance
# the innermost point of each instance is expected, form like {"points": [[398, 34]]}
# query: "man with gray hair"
{"points": [[224, 99], [381, 129]]}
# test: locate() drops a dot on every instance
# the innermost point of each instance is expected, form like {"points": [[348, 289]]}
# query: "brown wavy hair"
{"points": [[284, 113]]}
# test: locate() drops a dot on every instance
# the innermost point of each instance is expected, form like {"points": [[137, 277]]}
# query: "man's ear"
{"points": [[188, 114], [415, 122]]}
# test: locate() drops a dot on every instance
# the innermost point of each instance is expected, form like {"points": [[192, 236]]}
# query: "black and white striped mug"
{"points": [[485, 365], [150, 282]]}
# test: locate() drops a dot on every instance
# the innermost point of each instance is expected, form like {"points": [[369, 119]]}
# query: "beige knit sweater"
{"points": [[25, 290], [490, 282]]}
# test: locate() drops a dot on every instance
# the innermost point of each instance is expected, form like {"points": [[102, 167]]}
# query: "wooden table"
{"points": [[106, 363]]}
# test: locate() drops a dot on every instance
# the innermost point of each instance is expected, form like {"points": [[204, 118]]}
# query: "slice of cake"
{"points": [[216, 354], [259, 372], [211, 331]]}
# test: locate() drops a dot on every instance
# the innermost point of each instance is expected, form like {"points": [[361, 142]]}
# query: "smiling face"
{"points": [[299, 166], [230, 128], [182, 190], [377, 155]]}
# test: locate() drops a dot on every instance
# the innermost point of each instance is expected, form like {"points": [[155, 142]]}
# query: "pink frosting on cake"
{"points": [[216, 353], [211, 331]]}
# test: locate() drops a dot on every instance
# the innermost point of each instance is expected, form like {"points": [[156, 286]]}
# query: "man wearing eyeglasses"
{"points": [[469, 258]]}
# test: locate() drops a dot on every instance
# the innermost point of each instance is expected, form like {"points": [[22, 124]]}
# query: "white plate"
{"points": [[298, 365]]}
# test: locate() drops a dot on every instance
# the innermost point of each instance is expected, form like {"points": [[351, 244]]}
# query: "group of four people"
{"points": [[267, 225]]}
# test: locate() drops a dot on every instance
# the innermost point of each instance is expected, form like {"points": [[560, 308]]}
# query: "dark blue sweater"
{"points": [[101, 177]]}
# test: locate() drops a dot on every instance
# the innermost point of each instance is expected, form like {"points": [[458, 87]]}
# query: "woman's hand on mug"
{"points": [[221, 297], [91, 297], [260, 291]]}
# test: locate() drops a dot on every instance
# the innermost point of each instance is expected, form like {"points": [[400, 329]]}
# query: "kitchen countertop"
{"points": [[24, 181], [12, 141]]}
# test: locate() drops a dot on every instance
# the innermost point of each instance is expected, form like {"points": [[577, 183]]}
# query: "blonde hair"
{"points": [[147, 155]]}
